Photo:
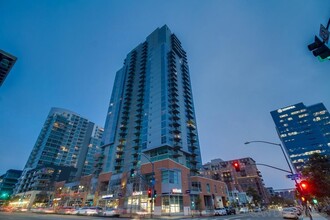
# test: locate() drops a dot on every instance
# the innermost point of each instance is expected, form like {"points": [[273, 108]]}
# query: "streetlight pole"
{"points": [[286, 158], [152, 183], [280, 145]]}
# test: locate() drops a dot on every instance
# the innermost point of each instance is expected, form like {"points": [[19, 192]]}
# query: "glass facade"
{"points": [[303, 130], [68, 140], [151, 107]]}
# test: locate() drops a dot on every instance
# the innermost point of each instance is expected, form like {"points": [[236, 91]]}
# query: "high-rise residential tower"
{"points": [[63, 151], [303, 130], [7, 61], [151, 109]]}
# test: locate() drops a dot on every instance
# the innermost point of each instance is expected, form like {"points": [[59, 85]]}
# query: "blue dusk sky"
{"points": [[246, 58]]}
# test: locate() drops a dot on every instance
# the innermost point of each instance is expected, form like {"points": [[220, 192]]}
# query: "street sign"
{"points": [[324, 34], [295, 176]]}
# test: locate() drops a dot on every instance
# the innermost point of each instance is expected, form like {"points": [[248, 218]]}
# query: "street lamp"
{"points": [[152, 182], [280, 145]]}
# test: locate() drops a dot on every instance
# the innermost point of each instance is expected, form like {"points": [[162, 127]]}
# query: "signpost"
{"points": [[324, 34], [295, 176]]}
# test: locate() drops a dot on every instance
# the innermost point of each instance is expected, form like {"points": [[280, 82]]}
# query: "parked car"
{"points": [[68, 210], [220, 211], [290, 213], [89, 211], [230, 211], [47, 210], [244, 210], [257, 209], [110, 212]]}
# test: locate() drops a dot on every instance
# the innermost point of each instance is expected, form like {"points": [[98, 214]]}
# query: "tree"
{"points": [[317, 173], [253, 193]]}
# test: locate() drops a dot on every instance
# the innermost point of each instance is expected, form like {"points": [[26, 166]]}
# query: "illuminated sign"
{"points": [[139, 193], [107, 196], [176, 190], [285, 109]]}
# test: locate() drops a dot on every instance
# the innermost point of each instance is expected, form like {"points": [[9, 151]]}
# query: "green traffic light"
{"points": [[315, 201], [4, 195]]}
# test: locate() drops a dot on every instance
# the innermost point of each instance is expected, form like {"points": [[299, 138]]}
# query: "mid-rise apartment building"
{"points": [[237, 181], [64, 150]]}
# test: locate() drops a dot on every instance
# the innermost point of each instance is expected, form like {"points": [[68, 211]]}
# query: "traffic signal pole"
{"points": [[289, 165]]}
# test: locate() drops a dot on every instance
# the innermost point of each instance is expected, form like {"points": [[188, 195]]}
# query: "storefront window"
{"points": [[172, 204]]}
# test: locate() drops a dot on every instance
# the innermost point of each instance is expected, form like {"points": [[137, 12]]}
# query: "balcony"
{"points": [[176, 154]]}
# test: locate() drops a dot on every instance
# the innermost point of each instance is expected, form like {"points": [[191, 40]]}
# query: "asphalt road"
{"points": [[269, 215], [35, 216]]}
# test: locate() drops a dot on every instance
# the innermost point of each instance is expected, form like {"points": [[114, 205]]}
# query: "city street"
{"points": [[271, 215], [35, 216]]}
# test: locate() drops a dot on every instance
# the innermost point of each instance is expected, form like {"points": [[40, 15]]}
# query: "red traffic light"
{"points": [[236, 166], [304, 185], [149, 193]]}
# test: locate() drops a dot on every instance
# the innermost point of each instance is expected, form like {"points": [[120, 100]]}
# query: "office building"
{"points": [[303, 130], [240, 181], [7, 61]]}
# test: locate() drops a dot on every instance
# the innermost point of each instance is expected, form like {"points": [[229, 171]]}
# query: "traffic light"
{"points": [[236, 166], [149, 193], [319, 49], [4, 195], [155, 193], [315, 201], [132, 173], [304, 185]]}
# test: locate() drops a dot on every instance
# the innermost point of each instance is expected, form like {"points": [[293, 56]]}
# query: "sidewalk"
{"points": [[316, 216]]}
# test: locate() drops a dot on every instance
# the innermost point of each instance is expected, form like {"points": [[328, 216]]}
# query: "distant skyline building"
{"points": [[7, 61], [63, 151], [151, 109], [303, 130]]}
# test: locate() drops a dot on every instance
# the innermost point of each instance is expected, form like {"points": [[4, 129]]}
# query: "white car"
{"points": [[244, 210], [110, 212], [89, 211], [220, 211], [290, 213]]}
